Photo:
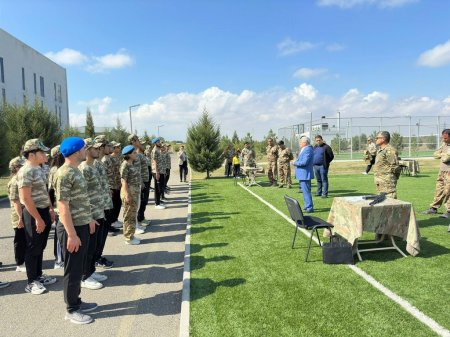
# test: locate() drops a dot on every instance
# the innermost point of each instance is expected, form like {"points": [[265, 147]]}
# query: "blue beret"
{"points": [[155, 140], [127, 149], [71, 145]]}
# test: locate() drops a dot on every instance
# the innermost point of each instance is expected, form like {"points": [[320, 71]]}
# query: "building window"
{"points": [[35, 84], [59, 94], [60, 121], [2, 71], [41, 81], [23, 78], [54, 88]]}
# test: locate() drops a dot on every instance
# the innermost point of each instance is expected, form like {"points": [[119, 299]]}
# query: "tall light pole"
{"points": [[160, 126], [339, 131], [131, 121]]}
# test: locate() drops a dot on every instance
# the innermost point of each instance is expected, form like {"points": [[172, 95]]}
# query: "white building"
{"points": [[26, 75]]}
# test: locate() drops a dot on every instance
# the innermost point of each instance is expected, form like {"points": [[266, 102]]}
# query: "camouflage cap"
{"points": [[101, 139], [132, 137], [115, 144], [34, 144], [92, 143], [54, 151], [15, 162], [142, 140], [369, 138]]}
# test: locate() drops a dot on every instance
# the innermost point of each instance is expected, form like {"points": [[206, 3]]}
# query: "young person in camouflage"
{"points": [[131, 188], [16, 214], [163, 172], [38, 215], [386, 168], [157, 162], [182, 163], [168, 167], [75, 215], [284, 165], [108, 165], [115, 190], [91, 279], [272, 161]]}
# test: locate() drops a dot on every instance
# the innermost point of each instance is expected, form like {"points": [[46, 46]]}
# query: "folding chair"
{"points": [[307, 222]]}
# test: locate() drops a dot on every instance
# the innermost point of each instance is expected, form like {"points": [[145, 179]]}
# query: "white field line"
{"points": [[428, 321], [185, 295]]}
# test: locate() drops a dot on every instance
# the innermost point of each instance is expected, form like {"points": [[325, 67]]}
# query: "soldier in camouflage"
{"points": [[442, 191], [116, 161], [369, 155], [386, 168], [272, 161], [157, 163], [38, 214], [284, 165], [248, 155], [131, 188], [16, 214], [76, 216]]}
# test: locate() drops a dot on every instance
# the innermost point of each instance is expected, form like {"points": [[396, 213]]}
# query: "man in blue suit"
{"points": [[304, 171]]}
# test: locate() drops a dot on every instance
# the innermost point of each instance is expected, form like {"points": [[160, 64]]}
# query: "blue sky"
{"points": [[254, 65]]}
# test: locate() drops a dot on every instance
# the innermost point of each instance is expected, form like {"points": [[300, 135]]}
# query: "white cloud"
{"points": [[289, 46], [257, 112], [67, 57], [436, 57], [305, 73], [110, 61], [345, 4]]}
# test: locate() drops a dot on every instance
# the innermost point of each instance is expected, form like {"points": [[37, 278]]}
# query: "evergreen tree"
{"points": [[397, 142], [147, 138], [202, 145], [272, 135], [119, 134], [89, 130], [3, 144], [27, 122], [70, 131], [235, 139]]}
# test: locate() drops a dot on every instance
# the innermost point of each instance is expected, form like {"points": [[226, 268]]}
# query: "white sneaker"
{"points": [[99, 277], [160, 207], [21, 268], [35, 288], [92, 284], [365, 173], [133, 241], [117, 224], [139, 230], [58, 265], [145, 223]]}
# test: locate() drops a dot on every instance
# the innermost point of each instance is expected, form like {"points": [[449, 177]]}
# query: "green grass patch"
{"points": [[247, 281], [4, 187]]}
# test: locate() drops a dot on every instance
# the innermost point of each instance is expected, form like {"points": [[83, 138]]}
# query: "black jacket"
{"points": [[328, 155]]}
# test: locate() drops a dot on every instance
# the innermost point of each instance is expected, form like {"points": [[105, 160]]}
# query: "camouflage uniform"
{"points": [[13, 194], [284, 166], [46, 170], [94, 190], [131, 174], [29, 176], [272, 158], [442, 191], [386, 171], [249, 157]]}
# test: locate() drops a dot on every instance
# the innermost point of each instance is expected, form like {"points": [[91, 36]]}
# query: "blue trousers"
{"points": [[321, 174], [305, 185]]}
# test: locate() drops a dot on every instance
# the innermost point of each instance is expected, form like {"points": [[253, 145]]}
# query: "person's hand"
{"points": [[52, 215], [20, 224], [92, 226], [40, 226], [73, 244]]}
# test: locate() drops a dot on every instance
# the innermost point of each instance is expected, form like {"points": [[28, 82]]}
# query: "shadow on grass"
{"points": [[435, 221], [196, 248], [430, 249], [205, 197], [201, 287], [198, 261], [205, 217], [196, 230]]}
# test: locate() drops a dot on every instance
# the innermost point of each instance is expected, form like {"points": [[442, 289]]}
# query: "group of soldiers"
{"points": [[81, 194]]}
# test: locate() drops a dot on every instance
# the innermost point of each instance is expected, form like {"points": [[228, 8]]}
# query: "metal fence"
{"points": [[419, 135]]}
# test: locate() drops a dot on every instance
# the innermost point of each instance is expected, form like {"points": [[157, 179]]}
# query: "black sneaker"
{"points": [[446, 215], [103, 263], [107, 262], [112, 231], [430, 210], [46, 279], [87, 307]]}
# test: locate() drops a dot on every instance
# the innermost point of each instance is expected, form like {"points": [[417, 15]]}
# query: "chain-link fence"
{"points": [[414, 136]]}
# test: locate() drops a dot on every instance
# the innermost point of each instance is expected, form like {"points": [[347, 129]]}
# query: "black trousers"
{"points": [[372, 161], [35, 243], [117, 204], [89, 265], [150, 176], [166, 178], [157, 189], [236, 170], [101, 236], [183, 171], [74, 267], [145, 192], [228, 169], [20, 245]]}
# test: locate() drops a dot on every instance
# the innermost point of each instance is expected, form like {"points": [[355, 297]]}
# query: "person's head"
{"points": [[163, 148], [270, 141], [57, 159], [383, 138], [73, 149], [15, 164], [446, 135], [304, 141], [156, 141], [101, 141], [182, 147], [369, 140], [92, 149], [281, 144], [319, 140], [247, 145], [108, 148], [35, 152], [129, 153], [117, 149]]}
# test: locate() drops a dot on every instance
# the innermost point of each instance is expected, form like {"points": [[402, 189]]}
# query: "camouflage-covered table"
{"points": [[250, 173], [353, 215]]}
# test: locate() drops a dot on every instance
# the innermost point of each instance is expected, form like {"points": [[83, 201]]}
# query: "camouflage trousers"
{"points": [[272, 171], [130, 213], [388, 185], [284, 174], [442, 191]]}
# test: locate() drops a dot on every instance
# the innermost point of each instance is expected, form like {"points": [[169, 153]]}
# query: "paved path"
{"points": [[142, 296]]}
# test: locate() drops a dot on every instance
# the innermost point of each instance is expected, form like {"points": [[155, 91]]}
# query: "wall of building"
{"points": [[29, 74]]}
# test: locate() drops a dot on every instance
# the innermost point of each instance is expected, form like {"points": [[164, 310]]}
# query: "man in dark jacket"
{"points": [[323, 155]]}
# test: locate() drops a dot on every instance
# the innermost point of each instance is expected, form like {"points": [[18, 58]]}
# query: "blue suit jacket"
{"points": [[304, 164]]}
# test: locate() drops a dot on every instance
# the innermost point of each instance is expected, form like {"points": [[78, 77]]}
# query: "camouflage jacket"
{"points": [[13, 194], [249, 157], [33, 176], [107, 201], [285, 155], [443, 153], [94, 189], [386, 164], [272, 152]]}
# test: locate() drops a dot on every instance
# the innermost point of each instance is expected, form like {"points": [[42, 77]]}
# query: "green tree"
{"points": [[89, 130], [23, 122], [202, 146], [119, 134], [3, 144], [397, 142], [70, 131], [272, 135], [148, 140], [356, 143], [339, 144], [235, 139]]}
